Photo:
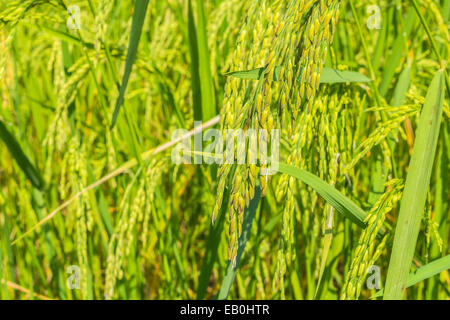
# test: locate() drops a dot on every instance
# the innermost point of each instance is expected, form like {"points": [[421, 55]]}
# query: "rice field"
{"points": [[122, 175]]}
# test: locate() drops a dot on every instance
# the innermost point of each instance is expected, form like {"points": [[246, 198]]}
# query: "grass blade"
{"points": [[206, 81], [140, 10], [429, 270], [402, 87], [423, 273], [323, 261], [213, 244], [416, 186], [22, 160], [203, 92], [329, 75], [441, 204], [442, 62], [249, 216], [335, 198], [195, 76], [398, 51], [67, 37]]}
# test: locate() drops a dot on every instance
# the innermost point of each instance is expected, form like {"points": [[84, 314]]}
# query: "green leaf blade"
{"points": [[22, 160], [425, 272], [140, 10], [206, 81], [416, 186], [249, 216], [328, 75], [335, 198]]}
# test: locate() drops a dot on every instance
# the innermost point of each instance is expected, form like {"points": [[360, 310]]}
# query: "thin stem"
{"points": [[442, 63], [366, 53]]}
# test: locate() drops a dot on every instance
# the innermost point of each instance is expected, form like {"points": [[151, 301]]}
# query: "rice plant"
{"points": [[112, 186]]}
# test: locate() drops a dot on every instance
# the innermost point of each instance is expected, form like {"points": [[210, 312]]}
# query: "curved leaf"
{"points": [[140, 10], [335, 198], [415, 193], [329, 75], [20, 157], [423, 273]]}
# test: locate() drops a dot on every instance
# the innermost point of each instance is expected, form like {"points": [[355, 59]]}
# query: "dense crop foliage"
{"points": [[93, 205]]}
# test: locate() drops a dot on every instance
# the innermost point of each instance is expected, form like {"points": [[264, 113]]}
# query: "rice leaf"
{"points": [[416, 186], [22, 160], [429, 270], [334, 76], [425, 272], [212, 245], [324, 256], [206, 82], [425, 25], [140, 10], [329, 75], [195, 76], [402, 87], [398, 51], [335, 198], [249, 216], [67, 37]]}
